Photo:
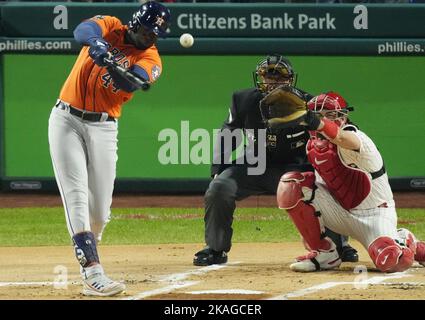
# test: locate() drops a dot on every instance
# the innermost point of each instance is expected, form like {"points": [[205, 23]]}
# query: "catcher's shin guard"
{"points": [[304, 216], [389, 256]]}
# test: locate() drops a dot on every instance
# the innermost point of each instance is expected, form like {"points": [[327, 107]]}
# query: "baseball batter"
{"points": [[83, 126], [348, 193]]}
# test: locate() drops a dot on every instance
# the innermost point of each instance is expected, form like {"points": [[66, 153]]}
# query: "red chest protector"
{"points": [[348, 186]]}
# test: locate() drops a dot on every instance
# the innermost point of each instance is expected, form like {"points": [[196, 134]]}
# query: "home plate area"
{"points": [[255, 271]]}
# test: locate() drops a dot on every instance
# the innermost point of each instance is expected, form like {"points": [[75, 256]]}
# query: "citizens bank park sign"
{"points": [[298, 21], [255, 21], [229, 20]]}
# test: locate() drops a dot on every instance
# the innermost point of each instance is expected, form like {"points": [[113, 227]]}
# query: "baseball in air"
{"points": [[186, 40]]}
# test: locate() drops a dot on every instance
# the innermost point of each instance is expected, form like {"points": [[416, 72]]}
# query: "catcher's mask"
{"points": [[272, 72], [152, 15], [283, 107], [332, 106]]}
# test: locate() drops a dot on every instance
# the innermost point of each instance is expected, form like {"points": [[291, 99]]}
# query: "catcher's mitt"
{"points": [[283, 107]]}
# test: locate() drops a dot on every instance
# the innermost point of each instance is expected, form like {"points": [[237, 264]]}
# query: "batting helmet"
{"points": [[275, 67], [153, 16]]}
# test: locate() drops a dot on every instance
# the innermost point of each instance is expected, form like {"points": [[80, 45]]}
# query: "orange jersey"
{"points": [[91, 88]]}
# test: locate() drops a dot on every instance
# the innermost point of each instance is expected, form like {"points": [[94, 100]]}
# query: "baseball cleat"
{"points": [[208, 256], [419, 246], [420, 253], [96, 283], [349, 254], [407, 239], [317, 260]]}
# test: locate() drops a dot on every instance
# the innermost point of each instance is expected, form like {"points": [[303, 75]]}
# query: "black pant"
{"points": [[232, 185]]}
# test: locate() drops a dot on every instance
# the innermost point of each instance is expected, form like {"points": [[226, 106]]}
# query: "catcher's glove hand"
{"points": [[283, 107]]}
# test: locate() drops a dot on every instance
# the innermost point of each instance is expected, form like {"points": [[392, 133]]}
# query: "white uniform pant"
{"points": [[84, 156], [363, 225]]}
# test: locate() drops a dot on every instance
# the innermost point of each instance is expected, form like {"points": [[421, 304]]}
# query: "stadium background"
{"points": [[196, 86]]}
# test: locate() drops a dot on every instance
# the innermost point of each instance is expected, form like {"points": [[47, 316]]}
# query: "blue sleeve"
{"points": [[126, 85], [86, 31], [140, 72]]}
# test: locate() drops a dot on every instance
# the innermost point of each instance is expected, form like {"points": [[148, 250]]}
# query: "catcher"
{"points": [[348, 191], [232, 182]]}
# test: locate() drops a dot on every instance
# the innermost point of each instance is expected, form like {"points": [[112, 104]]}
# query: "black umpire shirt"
{"points": [[282, 146]]}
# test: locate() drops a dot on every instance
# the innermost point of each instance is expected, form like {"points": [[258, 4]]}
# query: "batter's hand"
{"points": [[98, 51]]}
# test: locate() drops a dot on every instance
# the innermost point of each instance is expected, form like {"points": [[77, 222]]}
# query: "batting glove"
{"points": [[98, 51]]}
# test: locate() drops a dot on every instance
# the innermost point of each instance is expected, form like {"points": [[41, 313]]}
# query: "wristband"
{"points": [[330, 129]]}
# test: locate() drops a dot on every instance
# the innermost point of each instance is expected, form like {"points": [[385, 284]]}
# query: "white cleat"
{"points": [[96, 283], [317, 260], [418, 248]]}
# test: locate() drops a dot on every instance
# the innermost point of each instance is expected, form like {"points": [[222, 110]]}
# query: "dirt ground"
{"points": [[254, 271]]}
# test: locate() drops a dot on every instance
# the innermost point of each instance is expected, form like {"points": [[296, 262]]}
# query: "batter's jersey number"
{"points": [[107, 80]]}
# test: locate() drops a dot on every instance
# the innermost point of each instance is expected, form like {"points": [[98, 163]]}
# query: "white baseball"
{"points": [[186, 40]]}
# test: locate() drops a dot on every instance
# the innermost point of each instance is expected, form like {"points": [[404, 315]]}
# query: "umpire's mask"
{"points": [[272, 72]]}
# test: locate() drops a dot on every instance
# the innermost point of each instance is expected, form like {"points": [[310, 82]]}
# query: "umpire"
{"points": [[285, 151]]}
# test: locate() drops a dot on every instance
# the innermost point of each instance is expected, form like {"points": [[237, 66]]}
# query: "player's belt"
{"points": [[84, 115]]}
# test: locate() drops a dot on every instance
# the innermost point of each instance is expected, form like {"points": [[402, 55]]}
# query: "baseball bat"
{"points": [[145, 85]]}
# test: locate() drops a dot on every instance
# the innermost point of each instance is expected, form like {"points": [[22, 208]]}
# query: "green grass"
{"points": [[46, 226]]}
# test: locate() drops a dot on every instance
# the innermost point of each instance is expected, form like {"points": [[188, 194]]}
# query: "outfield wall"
{"points": [[196, 86]]}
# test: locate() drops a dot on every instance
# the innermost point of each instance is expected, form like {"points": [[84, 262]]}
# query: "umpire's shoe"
{"points": [[208, 256], [349, 254]]}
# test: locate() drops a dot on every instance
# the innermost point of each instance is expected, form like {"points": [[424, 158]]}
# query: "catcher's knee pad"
{"points": [[85, 248], [389, 256], [290, 189]]}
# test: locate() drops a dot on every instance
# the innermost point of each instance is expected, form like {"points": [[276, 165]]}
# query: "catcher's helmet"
{"points": [[153, 16], [331, 105], [274, 67]]}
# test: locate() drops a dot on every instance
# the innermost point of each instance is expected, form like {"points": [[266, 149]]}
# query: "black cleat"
{"points": [[349, 254], [208, 256]]}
